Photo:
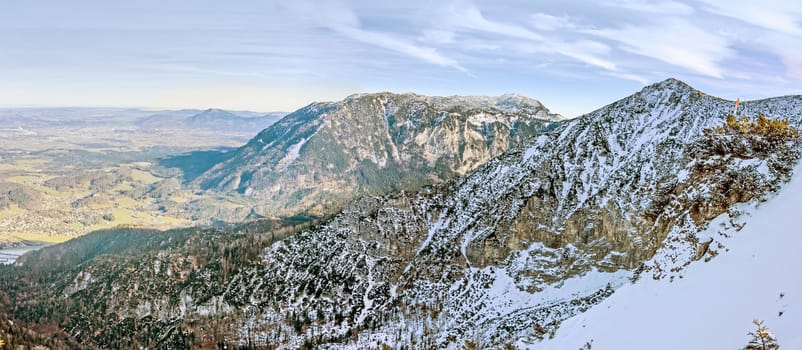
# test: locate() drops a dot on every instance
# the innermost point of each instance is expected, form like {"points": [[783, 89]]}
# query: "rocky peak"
{"points": [[325, 154], [670, 84]]}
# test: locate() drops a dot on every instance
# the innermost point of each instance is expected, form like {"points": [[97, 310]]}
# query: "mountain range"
{"points": [[512, 241], [210, 119]]}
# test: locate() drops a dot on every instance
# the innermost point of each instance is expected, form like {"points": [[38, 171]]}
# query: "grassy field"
{"points": [[143, 176], [12, 211]]}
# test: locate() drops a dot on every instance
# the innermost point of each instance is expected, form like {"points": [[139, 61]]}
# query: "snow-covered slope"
{"points": [[713, 305]]}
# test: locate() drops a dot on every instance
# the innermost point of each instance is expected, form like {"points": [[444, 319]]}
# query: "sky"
{"points": [[263, 55]]}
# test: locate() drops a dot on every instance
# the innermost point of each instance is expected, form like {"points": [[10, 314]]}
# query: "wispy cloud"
{"points": [[779, 26], [673, 41], [438, 36], [628, 76], [792, 59], [342, 19], [391, 42], [546, 22], [661, 8], [586, 51], [468, 16], [776, 15]]}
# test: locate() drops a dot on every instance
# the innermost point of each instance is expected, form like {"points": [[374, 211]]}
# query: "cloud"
{"points": [[662, 8], [776, 15], [792, 59], [586, 51], [343, 20], [673, 41], [779, 26], [438, 36], [628, 76], [548, 22], [468, 16], [399, 45]]}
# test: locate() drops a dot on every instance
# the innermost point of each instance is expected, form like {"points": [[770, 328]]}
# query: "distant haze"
{"points": [[271, 55]]}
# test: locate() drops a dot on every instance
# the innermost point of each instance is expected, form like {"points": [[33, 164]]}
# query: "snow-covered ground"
{"points": [[713, 305]]}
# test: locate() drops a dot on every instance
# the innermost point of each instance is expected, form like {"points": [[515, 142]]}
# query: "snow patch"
{"points": [[294, 151]]}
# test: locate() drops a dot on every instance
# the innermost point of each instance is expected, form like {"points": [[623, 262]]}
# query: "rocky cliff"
{"points": [[321, 156]]}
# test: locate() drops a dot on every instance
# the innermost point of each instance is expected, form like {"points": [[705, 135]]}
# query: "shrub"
{"points": [[762, 138], [778, 129]]}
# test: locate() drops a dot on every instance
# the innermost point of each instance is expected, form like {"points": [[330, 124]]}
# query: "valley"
{"points": [[67, 172]]}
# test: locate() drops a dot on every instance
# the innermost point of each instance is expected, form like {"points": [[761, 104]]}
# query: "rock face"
{"points": [[505, 253], [321, 156]]}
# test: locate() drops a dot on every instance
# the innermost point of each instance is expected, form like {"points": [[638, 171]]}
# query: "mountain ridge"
{"points": [[503, 254], [213, 119], [451, 242], [327, 153]]}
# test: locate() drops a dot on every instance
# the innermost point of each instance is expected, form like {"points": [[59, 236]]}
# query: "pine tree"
{"points": [[762, 339]]}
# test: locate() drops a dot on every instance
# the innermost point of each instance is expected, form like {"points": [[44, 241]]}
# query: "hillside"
{"points": [[713, 305], [322, 156], [648, 189]]}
